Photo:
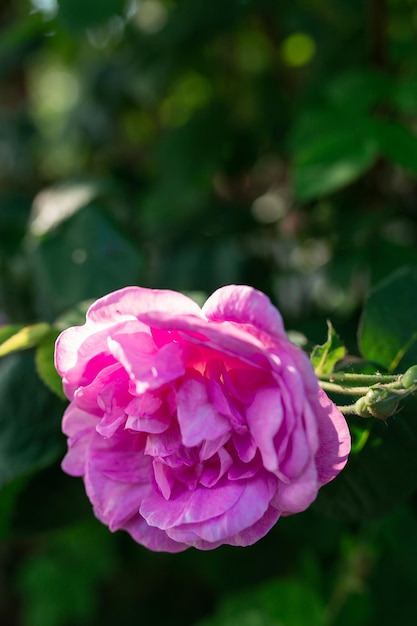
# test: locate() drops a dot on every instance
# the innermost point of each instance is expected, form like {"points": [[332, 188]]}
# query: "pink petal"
{"points": [[152, 538], [334, 437], [225, 338], [245, 446], [130, 302], [76, 421], [147, 370], [80, 428], [216, 468], [264, 417], [211, 446], [244, 305], [148, 413], [82, 352], [163, 444], [112, 398], [121, 458], [259, 529], [197, 417], [298, 455], [299, 494], [114, 502], [251, 505], [190, 506]]}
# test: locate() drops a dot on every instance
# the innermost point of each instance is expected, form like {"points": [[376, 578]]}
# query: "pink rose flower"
{"points": [[194, 427]]}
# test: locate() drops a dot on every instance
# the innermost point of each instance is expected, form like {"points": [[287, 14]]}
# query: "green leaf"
{"points": [[403, 96], [30, 419], [325, 357], [397, 143], [80, 14], [333, 160], [45, 366], [25, 338], [8, 330], [388, 326]]}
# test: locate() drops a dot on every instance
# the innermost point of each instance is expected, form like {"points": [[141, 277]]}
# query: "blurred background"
{"points": [[188, 144]]}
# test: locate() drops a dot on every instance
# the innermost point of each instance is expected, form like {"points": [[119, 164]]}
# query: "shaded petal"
{"points": [[216, 468], [211, 446], [245, 446]]}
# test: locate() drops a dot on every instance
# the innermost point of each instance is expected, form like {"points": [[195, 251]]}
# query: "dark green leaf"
{"points": [[325, 357], [388, 327], [379, 476], [333, 160], [397, 143], [80, 14], [30, 433]]}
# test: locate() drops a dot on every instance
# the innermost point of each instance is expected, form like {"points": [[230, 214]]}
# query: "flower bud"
{"points": [[382, 403], [409, 378]]}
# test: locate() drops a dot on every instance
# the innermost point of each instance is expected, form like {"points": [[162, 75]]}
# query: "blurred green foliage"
{"points": [[188, 144]]}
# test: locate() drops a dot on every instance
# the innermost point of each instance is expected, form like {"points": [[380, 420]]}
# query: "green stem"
{"points": [[344, 391], [360, 378], [347, 409]]}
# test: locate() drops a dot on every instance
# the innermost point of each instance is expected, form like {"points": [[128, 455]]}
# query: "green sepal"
{"points": [[325, 357]]}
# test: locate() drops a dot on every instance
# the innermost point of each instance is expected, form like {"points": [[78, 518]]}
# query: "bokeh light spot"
{"points": [[298, 49]]}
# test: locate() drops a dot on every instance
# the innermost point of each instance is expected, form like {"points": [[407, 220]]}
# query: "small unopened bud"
{"points": [[382, 403], [361, 408], [409, 378]]}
